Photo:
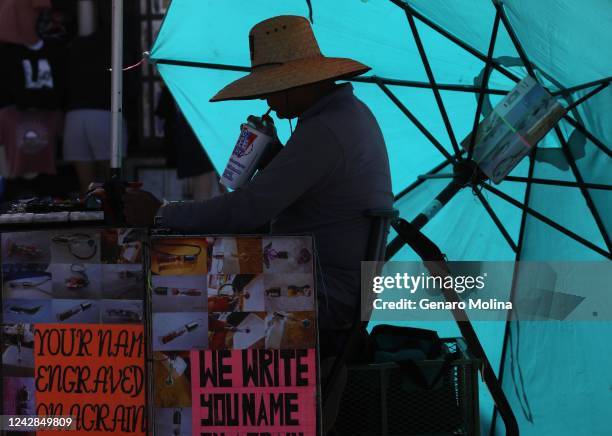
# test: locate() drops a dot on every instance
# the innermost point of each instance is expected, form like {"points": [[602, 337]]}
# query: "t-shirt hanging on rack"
{"points": [[35, 75], [29, 139]]}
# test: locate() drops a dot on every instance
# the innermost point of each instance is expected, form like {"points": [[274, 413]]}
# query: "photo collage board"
{"points": [[228, 323], [71, 300], [233, 335]]}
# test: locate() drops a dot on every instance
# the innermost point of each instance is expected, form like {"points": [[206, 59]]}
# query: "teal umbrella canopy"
{"points": [[437, 69]]}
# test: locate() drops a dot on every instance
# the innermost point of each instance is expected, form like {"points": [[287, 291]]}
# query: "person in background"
{"points": [[87, 130], [32, 96], [184, 150]]}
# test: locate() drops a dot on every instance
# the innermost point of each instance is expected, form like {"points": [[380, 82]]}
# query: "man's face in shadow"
{"points": [[284, 103], [292, 102]]}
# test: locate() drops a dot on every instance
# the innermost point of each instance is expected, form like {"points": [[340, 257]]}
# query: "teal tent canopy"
{"points": [[431, 62]]}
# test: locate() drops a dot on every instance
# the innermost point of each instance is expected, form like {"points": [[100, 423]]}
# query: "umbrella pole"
{"points": [[435, 262], [117, 89]]}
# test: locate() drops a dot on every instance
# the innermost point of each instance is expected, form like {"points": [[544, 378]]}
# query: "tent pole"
{"points": [[496, 220], [571, 89], [117, 88], [598, 143], [417, 123], [420, 180], [456, 40], [587, 96], [434, 86], [435, 261], [464, 174], [558, 183], [427, 85], [585, 192], [435, 176], [358, 79], [517, 258], [515, 41], [547, 220]]}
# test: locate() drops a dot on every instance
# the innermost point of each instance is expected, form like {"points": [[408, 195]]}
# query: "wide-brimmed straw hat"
{"points": [[284, 55]]}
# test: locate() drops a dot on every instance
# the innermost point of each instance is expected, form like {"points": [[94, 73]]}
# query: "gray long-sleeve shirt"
{"points": [[333, 168]]}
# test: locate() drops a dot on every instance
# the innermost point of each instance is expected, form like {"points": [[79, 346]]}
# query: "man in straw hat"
{"points": [[333, 167]]}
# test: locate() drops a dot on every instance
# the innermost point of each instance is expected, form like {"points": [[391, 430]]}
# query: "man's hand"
{"points": [[140, 208]]}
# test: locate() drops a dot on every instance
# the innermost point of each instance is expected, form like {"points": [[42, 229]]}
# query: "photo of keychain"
{"points": [[174, 364], [78, 278], [80, 245], [230, 293]]}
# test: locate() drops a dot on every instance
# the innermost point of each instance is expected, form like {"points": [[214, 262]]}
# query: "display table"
{"points": [[185, 335]]}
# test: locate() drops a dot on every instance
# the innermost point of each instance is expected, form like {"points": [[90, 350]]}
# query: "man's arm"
{"points": [[311, 154]]}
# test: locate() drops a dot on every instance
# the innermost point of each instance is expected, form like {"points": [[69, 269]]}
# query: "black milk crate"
{"points": [[379, 401]]}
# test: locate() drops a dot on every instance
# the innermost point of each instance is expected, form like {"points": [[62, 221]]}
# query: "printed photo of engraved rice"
{"points": [[290, 330], [235, 293], [17, 348], [173, 421], [178, 293], [242, 255], [19, 396], [76, 311], [291, 254], [26, 311], [179, 256], [123, 281], [123, 245], [121, 311], [26, 281], [289, 292], [25, 261], [180, 331], [26, 247], [236, 330]]}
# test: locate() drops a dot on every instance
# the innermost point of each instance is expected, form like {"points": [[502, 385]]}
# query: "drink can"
{"points": [[255, 136]]}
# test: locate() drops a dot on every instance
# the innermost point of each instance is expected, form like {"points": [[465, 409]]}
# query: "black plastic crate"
{"points": [[379, 400]]}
